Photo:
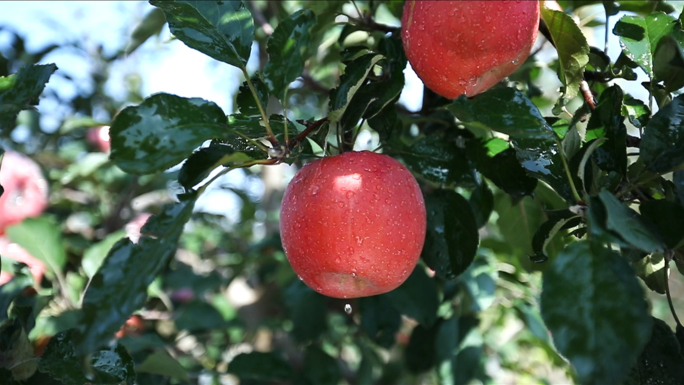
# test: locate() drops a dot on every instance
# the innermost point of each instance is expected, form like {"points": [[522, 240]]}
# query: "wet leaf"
{"points": [[504, 170], [221, 29], [607, 122], [287, 49], [162, 131], [662, 146], [203, 161], [639, 37], [572, 47], [440, 160], [417, 297], [20, 91], [667, 218], [246, 103], [482, 202], [595, 309], [120, 286], [547, 231], [661, 361], [451, 240], [668, 63], [353, 78]]}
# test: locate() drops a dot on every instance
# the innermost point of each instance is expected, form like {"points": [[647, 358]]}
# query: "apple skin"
{"points": [[26, 191], [99, 136], [353, 225], [13, 251], [465, 47]]}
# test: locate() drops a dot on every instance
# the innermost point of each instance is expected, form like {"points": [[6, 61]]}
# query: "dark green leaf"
{"points": [[661, 361], [203, 161], [162, 131], [639, 37], [678, 180], [10, 290], [95, 254], [20, 91], [320, 368], [607, 122], [354, 76], [113, 366], [452, 238], [662, 146], [307, 311], [534, 140], [61, 361], [380, 319], [150, 25], [440, 160], [197, 316], [518, 222], [286, 51], [40, 237], [260, 366], [668, 63], [120, 286], [419, 354], [458, 362], [480, 282], [245, 99], [547, 231], [16, 352], [222, 29], [595, 309], [629, 225], [482, 202], [573, 50], [417, 297], [504, 170], [667, 217], [637, 112]]}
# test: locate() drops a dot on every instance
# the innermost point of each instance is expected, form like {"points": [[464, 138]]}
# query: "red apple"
{"points": [[26, 191], [99, 136], [15, 252], [133, 227], [353, 225], [465, 47]]}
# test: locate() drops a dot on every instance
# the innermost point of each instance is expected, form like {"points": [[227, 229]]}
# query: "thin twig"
{"points": [[260, 18], [302, 135], [667, 290]]}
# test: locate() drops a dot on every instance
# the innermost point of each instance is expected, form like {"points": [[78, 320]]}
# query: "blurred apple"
{"points": [[17, 253], [26, 191], [99, 136], [133, 227]]}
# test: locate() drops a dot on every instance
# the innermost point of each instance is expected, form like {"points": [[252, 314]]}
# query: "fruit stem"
{"points": [[269, 132], [564, 160]]}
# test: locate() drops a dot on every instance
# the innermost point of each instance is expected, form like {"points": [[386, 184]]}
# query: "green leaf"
{"points": [[637, 112], [150, 25], [222, 29], [504, 170], [662, 146], [380, 319], [480, 282], [650, 270], [667, 218], [440, 160], [417, 297], [120, 285], [260, 366], [320, 368], [287, 49], [572, 47], [197, 316], [95, 254], [518, 222], [20, 91], [607, 122], [245, 99], [482, 202], [661, 361], [42, 238], [534, 140], [160, 362], [16, 352], [61, 361], [451, 239], [354, 76], [458, 351], [420, 353], [629, 225], [307, 311], [10, 290], [639, 37], [113, 366], [162, 131], [668, 63], [547, 231], [595, 309], [203, 161]]}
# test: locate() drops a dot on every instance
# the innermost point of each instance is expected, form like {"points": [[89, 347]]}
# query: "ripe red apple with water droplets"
{"points": [[465, 47], [353, 225]]}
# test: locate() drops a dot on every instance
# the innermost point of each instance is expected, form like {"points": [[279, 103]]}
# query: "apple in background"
{"points": [[26, 190], [15, 252], [465, 47], [133, 227], [353, 225], [99, 136]]}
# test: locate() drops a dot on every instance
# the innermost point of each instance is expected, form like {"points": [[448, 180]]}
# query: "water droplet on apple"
{"points": [[300, 277], [338, 260], [348, 309], [349, 194], [353, 275]]}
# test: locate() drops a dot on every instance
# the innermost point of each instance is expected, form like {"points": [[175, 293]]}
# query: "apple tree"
{"points": [[553, 192]]}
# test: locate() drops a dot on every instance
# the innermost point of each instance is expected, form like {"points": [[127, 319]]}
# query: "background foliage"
{"points": [[554, 220]]}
